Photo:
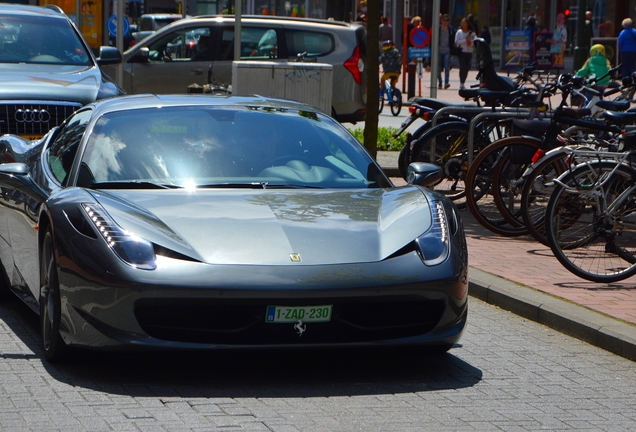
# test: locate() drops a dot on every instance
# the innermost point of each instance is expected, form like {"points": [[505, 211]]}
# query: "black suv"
{"points": [[47, 70]]}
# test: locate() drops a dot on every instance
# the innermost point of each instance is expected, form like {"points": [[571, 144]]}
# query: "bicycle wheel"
{"points": [[449, 140], [396, 102], [481, 198], [589, 234], [381, 106], [508, 179], [537, 188]]}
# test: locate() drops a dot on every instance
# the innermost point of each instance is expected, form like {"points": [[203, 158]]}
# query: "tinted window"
{"points": [[257, 43], [39, 39], [313, 43], [64, 147], [182, 45], [203, 145]]}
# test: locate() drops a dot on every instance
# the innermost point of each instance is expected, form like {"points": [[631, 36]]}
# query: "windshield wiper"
{"points": [[133, 184], [258, 185]]}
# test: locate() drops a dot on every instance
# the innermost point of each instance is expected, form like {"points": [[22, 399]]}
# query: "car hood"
{"points": [[266, 227], [50, 82]]}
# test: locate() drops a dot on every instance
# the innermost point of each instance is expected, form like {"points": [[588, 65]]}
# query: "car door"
{"points": [[24, 219], [259, 42], [176, 60]]}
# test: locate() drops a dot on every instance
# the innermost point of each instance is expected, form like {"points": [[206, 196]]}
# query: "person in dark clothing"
{"points": [[446, 40], [485, 34], [391, 62]]}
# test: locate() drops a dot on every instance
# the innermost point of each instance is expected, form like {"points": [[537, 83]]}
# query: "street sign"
{"points": [[420, 37], [112, 25], [419, 53]]}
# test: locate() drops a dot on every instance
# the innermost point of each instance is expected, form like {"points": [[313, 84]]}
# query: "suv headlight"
{"points": [[131, 249], [434, 244]]}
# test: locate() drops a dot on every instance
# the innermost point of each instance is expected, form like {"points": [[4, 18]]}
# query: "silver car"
{"points": [[181, 54]]}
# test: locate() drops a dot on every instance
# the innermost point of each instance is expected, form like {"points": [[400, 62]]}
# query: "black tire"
{"points": [[508, 179], [396, 102], [535, 195], [381, 105], [590, 243], [55, 349], [481, 198]]}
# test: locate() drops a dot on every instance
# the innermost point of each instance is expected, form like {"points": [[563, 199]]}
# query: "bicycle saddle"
{"points": [[622, 105], [437, 104], [620, 118]]}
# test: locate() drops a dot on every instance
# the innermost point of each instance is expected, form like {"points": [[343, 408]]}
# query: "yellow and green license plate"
{"points": [[291, 314]]}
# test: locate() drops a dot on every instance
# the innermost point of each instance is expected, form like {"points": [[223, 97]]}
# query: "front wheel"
{"points": [[396, 102], [381, 105], [55, 348], [589, 234]]}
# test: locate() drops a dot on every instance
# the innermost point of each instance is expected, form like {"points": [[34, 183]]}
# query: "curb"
{"points": [[560, 315]]}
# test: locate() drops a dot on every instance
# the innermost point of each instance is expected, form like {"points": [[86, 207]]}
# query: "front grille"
{"points": [[33, 118], [242, 322]]}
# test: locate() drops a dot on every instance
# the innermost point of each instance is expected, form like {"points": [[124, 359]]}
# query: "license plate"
{"points": [[291, 314], [32, 137]]}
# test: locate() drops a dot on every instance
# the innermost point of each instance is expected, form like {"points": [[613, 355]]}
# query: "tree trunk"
{"points": [[373, 78]]}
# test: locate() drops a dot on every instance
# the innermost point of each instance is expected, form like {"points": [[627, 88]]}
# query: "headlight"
{"points": [[434, 243], [131, 249]]}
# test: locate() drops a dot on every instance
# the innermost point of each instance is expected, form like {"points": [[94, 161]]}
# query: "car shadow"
{"points": [[258, 373]]}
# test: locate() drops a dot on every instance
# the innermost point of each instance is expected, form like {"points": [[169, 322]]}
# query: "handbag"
{"points": [[456, 50]]}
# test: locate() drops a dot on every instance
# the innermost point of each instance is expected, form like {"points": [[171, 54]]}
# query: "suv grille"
{"points": [[33, 118]]}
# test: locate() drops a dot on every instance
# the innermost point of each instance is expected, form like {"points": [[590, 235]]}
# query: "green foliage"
{"points": [[385, 138]]}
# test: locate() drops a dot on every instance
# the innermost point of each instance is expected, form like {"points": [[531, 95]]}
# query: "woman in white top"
{"points": [[464, 38]]}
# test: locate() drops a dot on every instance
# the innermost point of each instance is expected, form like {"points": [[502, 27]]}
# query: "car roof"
{"points": [[19, 9], [141, 101], [271, 19]]}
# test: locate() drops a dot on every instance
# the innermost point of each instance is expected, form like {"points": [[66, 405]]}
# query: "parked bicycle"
{"points": [[393, 97]]}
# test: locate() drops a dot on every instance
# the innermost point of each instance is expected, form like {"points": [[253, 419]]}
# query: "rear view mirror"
{"points": [[109, 56], [423, 174], [142, 55]]}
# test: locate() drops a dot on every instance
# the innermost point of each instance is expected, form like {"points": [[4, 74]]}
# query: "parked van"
{"points": [[181, 53]]}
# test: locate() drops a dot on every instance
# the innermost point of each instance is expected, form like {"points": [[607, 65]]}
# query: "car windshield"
{"points": [[229, 147], [40, 39]]}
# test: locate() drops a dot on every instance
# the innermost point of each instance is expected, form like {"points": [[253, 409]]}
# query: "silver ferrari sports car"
{"points": [[199, 222]]}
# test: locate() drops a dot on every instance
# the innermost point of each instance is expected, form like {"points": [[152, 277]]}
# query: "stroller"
{"points": [[488, 77]]}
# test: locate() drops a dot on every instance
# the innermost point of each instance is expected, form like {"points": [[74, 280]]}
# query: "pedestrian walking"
{"points": [[464, 39], [559, 40], [446, 40], [627, 47]]}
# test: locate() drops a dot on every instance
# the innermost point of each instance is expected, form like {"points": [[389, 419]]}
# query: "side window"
{"points": [[189, 44], [257, 43], [313, 43], [62, 150]]}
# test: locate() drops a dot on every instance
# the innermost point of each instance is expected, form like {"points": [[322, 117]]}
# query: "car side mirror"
{"points": [[141, 56], [14, 169], [109, 56], [423, 173]]}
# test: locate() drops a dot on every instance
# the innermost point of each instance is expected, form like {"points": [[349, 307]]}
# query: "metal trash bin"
{"points": [[310, 83]]}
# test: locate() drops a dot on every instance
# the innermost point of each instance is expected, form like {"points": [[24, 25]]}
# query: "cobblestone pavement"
{"points": [[508, 373]]}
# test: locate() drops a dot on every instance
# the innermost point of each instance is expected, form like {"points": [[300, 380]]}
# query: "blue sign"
{"points": [[112, 25], [419, 53]]}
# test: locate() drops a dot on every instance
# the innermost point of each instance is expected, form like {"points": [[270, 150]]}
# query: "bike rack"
{"points": [[473, 124], [483, 112]]}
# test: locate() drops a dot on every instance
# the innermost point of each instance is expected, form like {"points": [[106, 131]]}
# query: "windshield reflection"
{"points": [[225, 146]]}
